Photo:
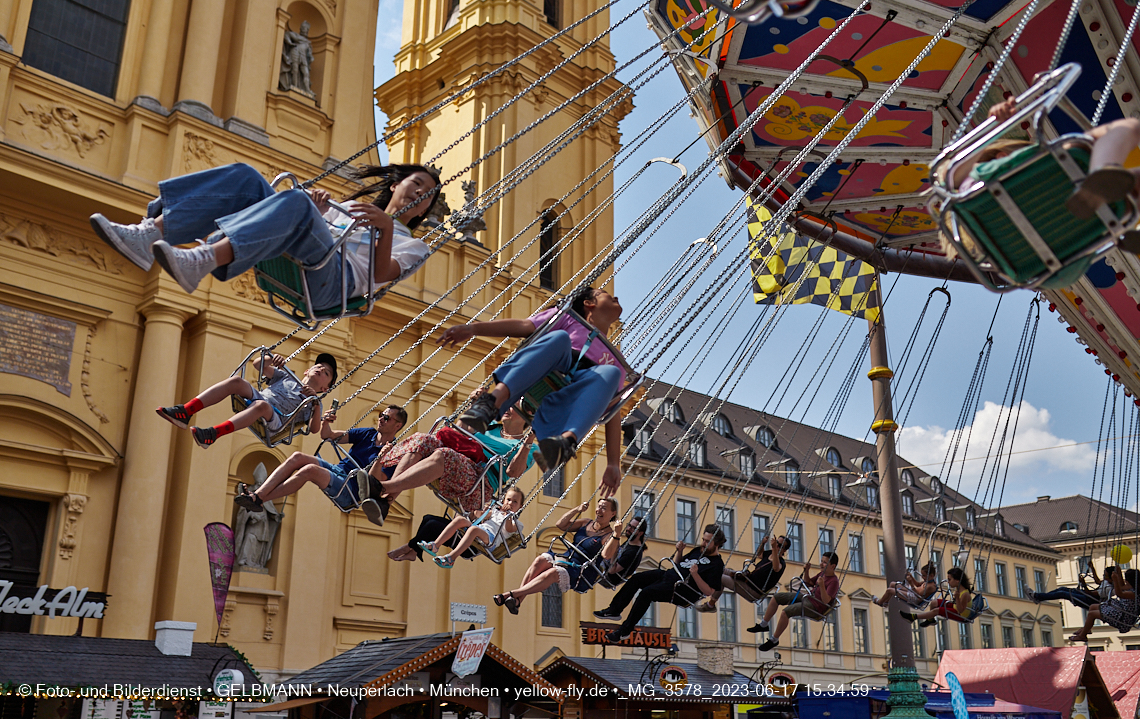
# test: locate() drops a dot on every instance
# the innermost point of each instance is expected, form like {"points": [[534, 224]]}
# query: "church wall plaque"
{"points": [[37, 346]]}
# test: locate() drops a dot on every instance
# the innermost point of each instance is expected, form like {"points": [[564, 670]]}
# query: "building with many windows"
{"points": [[1083, 531], [695, 461]]}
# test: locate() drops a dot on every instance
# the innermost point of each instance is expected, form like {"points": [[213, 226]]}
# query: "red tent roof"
{"points": [[1045, 677], [1121, 674]]}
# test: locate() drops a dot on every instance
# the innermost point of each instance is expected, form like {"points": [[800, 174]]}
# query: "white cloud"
{"points": [[1061, 471]]}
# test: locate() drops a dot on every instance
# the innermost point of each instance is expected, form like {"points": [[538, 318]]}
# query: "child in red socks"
{"points": [[282, 394]]}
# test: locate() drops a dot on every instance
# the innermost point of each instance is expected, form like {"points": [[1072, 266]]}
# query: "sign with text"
{"points": [[469, 654], [66, 602], [102, 708], [474, 613], [654, 637], [37, 346]]}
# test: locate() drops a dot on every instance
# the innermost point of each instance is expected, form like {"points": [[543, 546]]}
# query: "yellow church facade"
{"points": [[97, 492]]}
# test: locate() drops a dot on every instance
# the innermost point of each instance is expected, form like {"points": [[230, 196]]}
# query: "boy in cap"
{"points": [[282, 394]]}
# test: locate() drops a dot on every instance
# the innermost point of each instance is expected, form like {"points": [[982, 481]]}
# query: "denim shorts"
{"points": [[340, 490]]}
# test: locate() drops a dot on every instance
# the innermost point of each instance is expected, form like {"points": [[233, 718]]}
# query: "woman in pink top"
{"points": [[565, 416]]}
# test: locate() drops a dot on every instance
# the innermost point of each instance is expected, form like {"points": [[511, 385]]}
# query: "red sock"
{"points": [[194, 406], [224, 428]]}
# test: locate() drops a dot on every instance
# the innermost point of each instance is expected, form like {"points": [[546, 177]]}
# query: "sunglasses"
{"points": [[383, 418]]}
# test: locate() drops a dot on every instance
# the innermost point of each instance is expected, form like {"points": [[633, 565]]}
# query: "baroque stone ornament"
{"points": [[198, 153], [55, 126], [471, 221], [254, 532], [245, 285], [85, 381], [43, 238], [75, 504], [296, 59]]}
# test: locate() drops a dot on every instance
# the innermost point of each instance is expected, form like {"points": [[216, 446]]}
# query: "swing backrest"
{"points": [[684, 594], [511, 543], [283, 278], [292, 424], [746, 589], [490, 474], [614, 580], [1014, 222], [583, 561]]}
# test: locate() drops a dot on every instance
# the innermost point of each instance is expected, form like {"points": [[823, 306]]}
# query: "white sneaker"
{"points": [[188, 267], [875, 600], [131, 241]]}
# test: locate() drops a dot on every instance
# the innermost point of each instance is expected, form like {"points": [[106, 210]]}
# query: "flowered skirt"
{"points": [[1120, 613], [460, 474]]}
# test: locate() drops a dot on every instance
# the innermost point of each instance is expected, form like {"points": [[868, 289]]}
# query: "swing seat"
{"points": [[746, 589], [581, 586], [685, 595], [490, 474], [1013, 223], [554, 380], [802, 588], [292, 424], [512, 543], [613, 581], [284, 280], [977, 605]]}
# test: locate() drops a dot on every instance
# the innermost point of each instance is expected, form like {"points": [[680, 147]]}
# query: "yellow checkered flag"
{"points": [[834, 279]]}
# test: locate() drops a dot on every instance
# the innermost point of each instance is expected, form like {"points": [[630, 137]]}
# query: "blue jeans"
{"points": [[1076, 596], [260, 223], [340, 490], [574, 408]]}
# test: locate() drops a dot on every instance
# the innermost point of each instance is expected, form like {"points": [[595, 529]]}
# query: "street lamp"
{"points": [[962, 553]]}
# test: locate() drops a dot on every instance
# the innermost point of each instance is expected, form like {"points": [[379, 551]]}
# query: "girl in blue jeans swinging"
{"points": [[568, 414], [241, 221]]}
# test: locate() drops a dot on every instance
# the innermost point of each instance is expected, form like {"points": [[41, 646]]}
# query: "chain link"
{"points": [[1116, 65], [1027, 15]]}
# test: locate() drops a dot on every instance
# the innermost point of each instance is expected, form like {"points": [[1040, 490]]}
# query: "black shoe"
{"points": [[176, 415], [481, 413], [617, 635], [247, 499], [768, 645], [909, 616], [756, 628], [1036, 597], [376, 510], [363, 487], [204, 436], [607, 613], [554, 451], [928, 622]]}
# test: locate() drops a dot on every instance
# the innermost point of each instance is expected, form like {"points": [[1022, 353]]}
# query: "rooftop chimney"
{"points": [[174, 638], [715, 659], [1043, 498]]}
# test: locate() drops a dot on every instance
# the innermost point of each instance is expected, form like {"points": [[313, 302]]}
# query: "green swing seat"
{"points": [[1012, 229]]}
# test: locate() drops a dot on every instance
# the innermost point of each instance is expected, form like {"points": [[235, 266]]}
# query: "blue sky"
{"points": [[1065, 388]]}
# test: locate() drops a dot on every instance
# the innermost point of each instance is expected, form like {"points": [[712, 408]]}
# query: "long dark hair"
{"points": [[960, 575], [1132, 576], [578, 304], [390, 176]]}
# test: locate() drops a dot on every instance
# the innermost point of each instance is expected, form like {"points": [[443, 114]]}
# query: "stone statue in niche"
{"points": [[471, 221], [296, 58], [254, 532]]}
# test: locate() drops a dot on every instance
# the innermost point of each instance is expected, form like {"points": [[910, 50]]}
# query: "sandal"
{"points": [[1079, 638], [426, 546], [248, 500], [444, 562], [1110, 183], [507, 600]]}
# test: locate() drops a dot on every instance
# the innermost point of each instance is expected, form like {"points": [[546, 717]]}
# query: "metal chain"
{"points": [[456, 95], [1010, 44], [1069, 20]]}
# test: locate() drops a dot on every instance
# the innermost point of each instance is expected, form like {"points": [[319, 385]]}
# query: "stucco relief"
{"points": [[59, 127], [245, 285], [75, 504], [43, 238], [198, 153]]}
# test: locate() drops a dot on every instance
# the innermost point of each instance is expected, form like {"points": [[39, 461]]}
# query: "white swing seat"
{"points": [[1013, 223], [292, 424], [284, 278]]}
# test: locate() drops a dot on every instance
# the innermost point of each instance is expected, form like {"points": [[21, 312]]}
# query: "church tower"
{"points": [[447, 45]]}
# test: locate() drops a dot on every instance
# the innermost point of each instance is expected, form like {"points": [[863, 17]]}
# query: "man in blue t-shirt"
{"points": [[333, 479]]}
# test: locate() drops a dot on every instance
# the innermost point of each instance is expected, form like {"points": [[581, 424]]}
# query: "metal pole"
{"points": [[907, 698]]}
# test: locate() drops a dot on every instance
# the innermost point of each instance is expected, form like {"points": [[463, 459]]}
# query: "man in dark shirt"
{"points": [[702, 567], [764, 577], [812, 602], [333, 479], [629, 556]]}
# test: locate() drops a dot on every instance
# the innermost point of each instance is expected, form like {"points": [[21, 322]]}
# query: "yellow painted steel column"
{"points": [[142, 492]]}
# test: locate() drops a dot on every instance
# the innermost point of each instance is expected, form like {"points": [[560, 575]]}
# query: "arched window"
{"points": [[697, 453], [1069, 528], [670, 411], [908, 503], [792, 475], [971, 518], [908, 478], [935, 485], [999, 527], [548, 239], [834, 485], [766, 437], [834, 458], [939, 511], [747, 463], [722, 426], [867, 466]]}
